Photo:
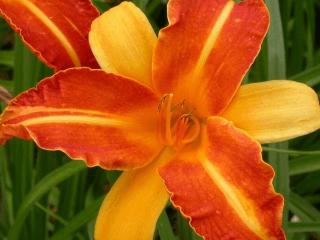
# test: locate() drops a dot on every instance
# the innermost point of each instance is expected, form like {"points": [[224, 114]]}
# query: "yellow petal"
{"points": [[275, 111], [122, 41], [132, 207]]}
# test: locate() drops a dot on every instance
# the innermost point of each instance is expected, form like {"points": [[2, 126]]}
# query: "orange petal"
{"points": [[224, 187], [207, 49], [132, 207], [104, 119], [56, 31]]}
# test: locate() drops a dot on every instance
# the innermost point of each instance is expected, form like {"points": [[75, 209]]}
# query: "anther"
{"points": [[162, 100], [179, 106], [176, 127], [186, 131]]}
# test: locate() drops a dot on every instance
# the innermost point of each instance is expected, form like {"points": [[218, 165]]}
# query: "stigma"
{"points": [[178, 126]]}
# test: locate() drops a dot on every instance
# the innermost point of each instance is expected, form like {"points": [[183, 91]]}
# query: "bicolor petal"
{"points": [[132, 207], [101, 118], [230, 194], [207, 49], [56, 31], [275, 111], [123, 41]]}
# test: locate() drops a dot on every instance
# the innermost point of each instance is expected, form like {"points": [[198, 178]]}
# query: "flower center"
{"points": [[177, 124]]}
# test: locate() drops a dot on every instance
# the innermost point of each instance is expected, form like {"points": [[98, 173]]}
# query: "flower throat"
{"points": [[178, 126]]}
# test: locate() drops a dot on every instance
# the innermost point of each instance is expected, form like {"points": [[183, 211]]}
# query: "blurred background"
{"points": [[44, 195]]}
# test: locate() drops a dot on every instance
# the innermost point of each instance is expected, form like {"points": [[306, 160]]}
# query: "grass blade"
{"points": [[310, 76], [87, 215], [290, 152], [164, 227], [6, 58], [303, 209], [304, 227], [304, 164], [276, 70], [45, 185]]}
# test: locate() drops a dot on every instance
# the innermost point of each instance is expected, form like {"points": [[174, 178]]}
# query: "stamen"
{"points": [[181, 130], [165, 119], [179, 106], [195, 130], [187, 130], [176, 128], [163, 99]]}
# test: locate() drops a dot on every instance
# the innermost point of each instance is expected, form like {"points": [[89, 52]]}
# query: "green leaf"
{"points": [[297, 52], [164, 227], [310, 76], [85, 216], [304, 227], [276, 49], [3, 231], [303, 209], [51, 213], [45, 185], [304, 164], [277, 70], [55, 216], [314, 199], [6, 189], [6, 57], [7, 84], [290, 152]]}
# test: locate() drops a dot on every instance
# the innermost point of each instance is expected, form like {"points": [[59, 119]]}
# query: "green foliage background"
{"points": [[44, 195]]}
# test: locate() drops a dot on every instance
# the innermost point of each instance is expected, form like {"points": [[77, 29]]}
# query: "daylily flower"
{"points": [[169, 111]]}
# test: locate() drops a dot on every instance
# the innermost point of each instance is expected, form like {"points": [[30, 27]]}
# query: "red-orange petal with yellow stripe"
{"points": [[207, 49], [90, 115], [224, 188], [56, 31]]}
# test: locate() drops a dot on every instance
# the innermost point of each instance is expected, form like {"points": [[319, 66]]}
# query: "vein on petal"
{"points": [[54, 29]]}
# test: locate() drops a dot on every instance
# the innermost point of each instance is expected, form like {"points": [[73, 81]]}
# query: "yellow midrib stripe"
{"points": [[213, 36], [43, 109], [76, 119], [55, 30], [236, 200], [207, 49]]}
